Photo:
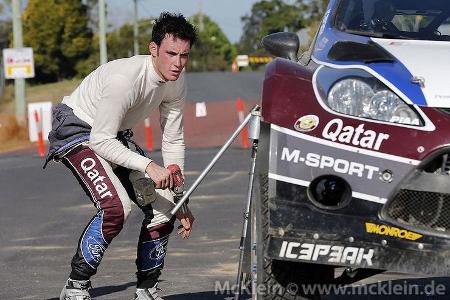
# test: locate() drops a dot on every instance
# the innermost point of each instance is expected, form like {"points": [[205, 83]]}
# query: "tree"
{"points": [[5, 34], [269, 16], [121, 43], [5, 24], [312, 10], [213, 51], [5, 5], [59, 35]]}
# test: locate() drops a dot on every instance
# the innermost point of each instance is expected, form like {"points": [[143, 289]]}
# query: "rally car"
{"points": [[353, 156]]}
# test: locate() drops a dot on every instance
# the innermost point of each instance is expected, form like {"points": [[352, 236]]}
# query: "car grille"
{"points": [[421, 203], [423, 210]]}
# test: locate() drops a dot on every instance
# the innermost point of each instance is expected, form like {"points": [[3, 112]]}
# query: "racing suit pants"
{"points": [[111, 191]]}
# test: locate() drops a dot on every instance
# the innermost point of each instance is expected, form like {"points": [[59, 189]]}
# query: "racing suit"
{"points": [[91, 136]]}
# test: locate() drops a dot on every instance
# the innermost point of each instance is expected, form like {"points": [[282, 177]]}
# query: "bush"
{"points": [[9, 128]]}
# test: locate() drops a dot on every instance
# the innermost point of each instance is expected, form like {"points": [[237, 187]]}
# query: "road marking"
{"points": [[219, 173], [37, 248], [220, 181], [222, 241], [215, 197]]}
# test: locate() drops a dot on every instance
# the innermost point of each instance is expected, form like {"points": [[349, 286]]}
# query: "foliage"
{"points": [[120, 44], [312, 10], [58, 32], [121, 41], [269, 16], [92, 7], [5, 5], [61, 35], [86, 66], [213, 51], [5, 33]]}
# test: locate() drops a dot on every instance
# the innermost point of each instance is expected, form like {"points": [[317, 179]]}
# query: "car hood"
{"points": [[427, 61]]}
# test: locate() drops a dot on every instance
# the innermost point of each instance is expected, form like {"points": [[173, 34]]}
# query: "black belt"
{"points": [[125, 137]]}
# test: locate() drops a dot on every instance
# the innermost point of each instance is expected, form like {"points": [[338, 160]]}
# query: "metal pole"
{"points": [[213, 161], [253, 134], [102, 31], [237, 296], [136, 29], [19, 84]]}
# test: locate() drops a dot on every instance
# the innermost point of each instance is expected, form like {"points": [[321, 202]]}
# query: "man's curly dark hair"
{"points": [[175, 25]]}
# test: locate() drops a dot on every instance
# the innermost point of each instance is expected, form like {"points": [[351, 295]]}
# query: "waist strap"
{"points": [[125, 137]]}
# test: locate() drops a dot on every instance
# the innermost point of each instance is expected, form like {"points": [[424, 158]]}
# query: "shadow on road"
{"points": [[110, 289], [409, 288], [106, 290]]}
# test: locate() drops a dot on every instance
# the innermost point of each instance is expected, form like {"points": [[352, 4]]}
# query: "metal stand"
{"points": [[253, 115], [253, 134]]}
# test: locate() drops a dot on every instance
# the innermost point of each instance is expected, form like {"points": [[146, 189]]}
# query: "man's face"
{"points": [[170, 57]]}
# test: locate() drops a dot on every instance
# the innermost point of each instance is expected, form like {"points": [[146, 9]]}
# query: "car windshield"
{"points": [[398, 19]]}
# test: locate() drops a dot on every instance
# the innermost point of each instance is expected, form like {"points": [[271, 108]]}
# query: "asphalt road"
{"points": [[44, 211]]}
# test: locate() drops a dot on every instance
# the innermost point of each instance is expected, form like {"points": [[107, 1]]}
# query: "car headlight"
{"points": [[357, 98]]}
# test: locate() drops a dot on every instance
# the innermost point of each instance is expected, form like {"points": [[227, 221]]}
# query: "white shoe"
{"points": [[76, 290], [147, 294]]}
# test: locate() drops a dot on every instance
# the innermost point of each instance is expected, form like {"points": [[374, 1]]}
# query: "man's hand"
{"points": [[160, 176], [186, 219]]}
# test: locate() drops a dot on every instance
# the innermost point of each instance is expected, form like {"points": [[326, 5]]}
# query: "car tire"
{"points": [[278, 279]]}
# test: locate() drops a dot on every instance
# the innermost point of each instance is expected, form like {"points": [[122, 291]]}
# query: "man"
{"points": [[91, 137]]}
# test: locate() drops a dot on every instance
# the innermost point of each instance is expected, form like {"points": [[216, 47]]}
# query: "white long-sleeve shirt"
{"points": [[119, 95]]}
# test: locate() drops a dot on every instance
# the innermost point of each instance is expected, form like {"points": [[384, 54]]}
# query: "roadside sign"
{"points": [[200, 109], [242, 60], [18, 62]]}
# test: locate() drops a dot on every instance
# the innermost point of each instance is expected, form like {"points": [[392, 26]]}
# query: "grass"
{"points": [[53, 92], [13, 136]]}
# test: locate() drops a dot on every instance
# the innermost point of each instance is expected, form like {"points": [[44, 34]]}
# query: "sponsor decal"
{"points": [[88, 166], [92, 242], [338, 165], [357, 136], [322, 43], [405, 120], [442, 97], [324, 21], [95, 249], [151, 254], [331, 253], [306, 123], [159, 251], [392, 231]]}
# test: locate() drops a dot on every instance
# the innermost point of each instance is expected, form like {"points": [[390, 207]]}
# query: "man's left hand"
{"points": [[186, 219]]}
